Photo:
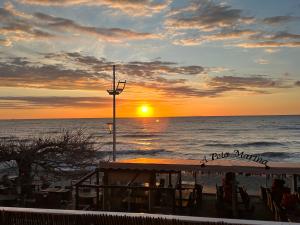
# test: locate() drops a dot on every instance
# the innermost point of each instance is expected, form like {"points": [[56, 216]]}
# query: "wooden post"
{"points": [[152, 184], [149, 199], [170, 179], [97, 182], [76, 197], [234, 199], [295, 185], [104, 195], [174, 199], [180, 191]]}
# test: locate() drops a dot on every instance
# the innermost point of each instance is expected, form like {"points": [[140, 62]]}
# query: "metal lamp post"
{"points": [[115, 91]]}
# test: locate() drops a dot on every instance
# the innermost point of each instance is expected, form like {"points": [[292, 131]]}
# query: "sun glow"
{"points": [[145, 111]]}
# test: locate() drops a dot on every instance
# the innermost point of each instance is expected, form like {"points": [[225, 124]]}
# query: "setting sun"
{"points": [[145, 111]]}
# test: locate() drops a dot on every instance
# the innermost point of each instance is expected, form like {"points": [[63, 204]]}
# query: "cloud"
{"points": [[189, 91], [207, 21], [221, 36], [269, 44], [21, 72], [5, 42], [275, 20], [282, 35], [206, 16], [16, 25], [262, 61], [271, 40], [74, 71], [271, 50], [30, 102], [108, 34], [130, 7], [71, 71], [255, 81]]}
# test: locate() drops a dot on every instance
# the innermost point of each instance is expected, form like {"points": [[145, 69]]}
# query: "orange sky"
{"points": [[245, 104]]}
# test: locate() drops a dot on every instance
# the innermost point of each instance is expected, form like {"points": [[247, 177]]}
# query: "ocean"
{"points": [[276, 138]]}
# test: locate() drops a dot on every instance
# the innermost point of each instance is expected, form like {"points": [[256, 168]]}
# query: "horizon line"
{"points": [[153, 117]]}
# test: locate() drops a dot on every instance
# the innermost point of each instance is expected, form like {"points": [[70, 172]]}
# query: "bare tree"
{"points": [[69, 150]]}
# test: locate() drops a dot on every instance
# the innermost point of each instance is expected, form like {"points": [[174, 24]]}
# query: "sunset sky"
{"points": [[180, 58]]}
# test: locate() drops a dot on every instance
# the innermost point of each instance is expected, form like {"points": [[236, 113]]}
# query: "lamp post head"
{"points": [[119, 89]]}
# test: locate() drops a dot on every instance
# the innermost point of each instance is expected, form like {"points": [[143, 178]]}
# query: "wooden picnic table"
{"points": [[64, 194]]}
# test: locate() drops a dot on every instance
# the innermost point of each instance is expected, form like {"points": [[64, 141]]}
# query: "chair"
{"points": [[245, 198], [269, 200], [279, 213], [219, 193], [263, 194], [195, 197]]}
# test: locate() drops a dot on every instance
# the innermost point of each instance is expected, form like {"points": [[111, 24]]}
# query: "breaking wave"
{"points": [[139, 152], [280, 155], [247, 144], [275, 154]]}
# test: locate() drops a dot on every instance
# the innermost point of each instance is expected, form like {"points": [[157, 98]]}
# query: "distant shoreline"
{"points": [[163, 117]]}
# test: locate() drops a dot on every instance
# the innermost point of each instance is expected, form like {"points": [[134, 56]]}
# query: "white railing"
{"points": [[184, 219]]}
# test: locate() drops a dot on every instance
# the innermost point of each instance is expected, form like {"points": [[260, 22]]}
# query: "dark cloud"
{"points": [[29, 102], [32, 102], [206, 16], [18, 72], [256, 81], [158, 69], [72, 71], [76, 71], [275, 20], [189, 91]]}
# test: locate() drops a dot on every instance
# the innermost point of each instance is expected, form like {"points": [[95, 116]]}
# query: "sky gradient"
{"points": [[180, 58]]}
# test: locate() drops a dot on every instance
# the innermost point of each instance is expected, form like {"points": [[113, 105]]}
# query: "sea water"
{"points": [[276, 138]]}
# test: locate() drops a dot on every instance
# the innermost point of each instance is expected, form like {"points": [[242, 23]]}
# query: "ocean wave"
{"points": [[140, 135], [8, 138], [52, 132], [289, 128], [276, 154], [138, 152], [247, 144]]}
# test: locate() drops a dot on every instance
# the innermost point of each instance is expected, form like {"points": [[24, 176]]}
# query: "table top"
{"points": [[87, 194], [55, 190]]}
